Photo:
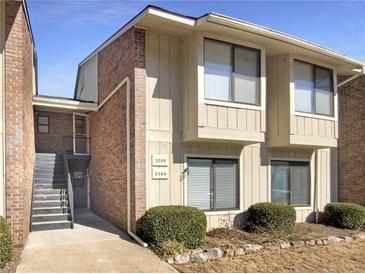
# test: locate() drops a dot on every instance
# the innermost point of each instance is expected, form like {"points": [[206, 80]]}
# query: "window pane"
{"points": [[324, 102], [199, 183], [218, 70], [42, 120], [246, 76], [42, 129], [300, 183], [280, 188], [304, 86], [324, 91], [225, 184]]}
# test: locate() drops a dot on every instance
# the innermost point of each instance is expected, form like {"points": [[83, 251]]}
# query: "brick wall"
{"points": [[123, 57], [352, 141], [19, 140], [59, 137]]}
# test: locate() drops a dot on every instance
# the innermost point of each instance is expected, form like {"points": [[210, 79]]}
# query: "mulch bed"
{"points": [[225, 237], [12, 265]]}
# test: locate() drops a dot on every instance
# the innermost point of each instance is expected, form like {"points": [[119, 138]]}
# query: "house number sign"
{"points": [[159, 167]]}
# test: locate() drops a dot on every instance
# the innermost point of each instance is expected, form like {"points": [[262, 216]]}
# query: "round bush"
{"points": [[5, 243], [344, 215], [271, 217], [182, 224]]}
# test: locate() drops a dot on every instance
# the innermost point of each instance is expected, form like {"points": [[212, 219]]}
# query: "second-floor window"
{"points": [[232, 72], [313, 88]]}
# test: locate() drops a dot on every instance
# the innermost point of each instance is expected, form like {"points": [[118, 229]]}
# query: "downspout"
{"points": [[316, 184], [126, 80]]}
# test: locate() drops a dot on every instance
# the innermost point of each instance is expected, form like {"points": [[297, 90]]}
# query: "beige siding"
{"points": [[314, 127]]}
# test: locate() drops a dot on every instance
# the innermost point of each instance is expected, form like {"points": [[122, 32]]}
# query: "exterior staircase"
{"points": [[50, 207]]}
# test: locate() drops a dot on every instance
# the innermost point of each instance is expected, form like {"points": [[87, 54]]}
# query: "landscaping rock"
{"points": [[182, 259], [239, 252], [310, 243], [332, 239], [229, 253], [359, 236], [208, 254], [284, 245], [170, 260], [325, 242], [319, 242], [347, 239], [297, 244], [252, 248], [272, 246]]}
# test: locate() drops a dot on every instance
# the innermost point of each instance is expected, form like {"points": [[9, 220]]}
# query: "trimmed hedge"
{"points": [[271, 217], [182, 224], [5, 243], [344, 215]]}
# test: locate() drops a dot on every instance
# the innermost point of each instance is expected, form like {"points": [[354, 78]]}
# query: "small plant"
{"points": [[5, 243], [344, 215], [171, 248], [271, 217], [182, 224]]}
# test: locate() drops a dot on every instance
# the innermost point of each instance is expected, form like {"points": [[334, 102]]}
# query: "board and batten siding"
{"points": [[315, 127]]}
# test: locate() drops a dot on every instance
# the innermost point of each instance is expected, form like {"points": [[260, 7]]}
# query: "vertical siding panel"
{"points": [[212, 116], [232, 118], [300, 125], [154, 184], [251, 117], [153, 76], [258, 120], [308, 126], [293, 125], [247, 177], [255, 174], [164, 79], [242, 119], [222, 117], [329, 129], [315, 127], [321, 128]]}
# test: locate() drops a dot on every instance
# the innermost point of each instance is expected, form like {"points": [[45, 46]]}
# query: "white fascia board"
{"points": [[273, 34], [64, 104]]}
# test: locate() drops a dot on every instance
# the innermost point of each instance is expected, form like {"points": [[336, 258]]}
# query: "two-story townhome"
{"points": [[210, 112]]}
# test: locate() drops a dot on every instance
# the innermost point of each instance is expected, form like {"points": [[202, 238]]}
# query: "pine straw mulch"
{"points": [[225, 237]]}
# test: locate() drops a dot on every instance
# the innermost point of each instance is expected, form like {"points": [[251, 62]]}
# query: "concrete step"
{"points": [[48, 156], [49, 172], [37, 226], [46, 191], [49, 176], [49, 203], [49, 197], [49, 180], [50, 210], [50, 217], [49, 166], [49, 186]]}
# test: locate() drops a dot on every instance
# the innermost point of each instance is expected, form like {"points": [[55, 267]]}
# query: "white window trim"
{"points": [[74, 114], [334, 117], [312, 179], [201, 73], [214, 156]]}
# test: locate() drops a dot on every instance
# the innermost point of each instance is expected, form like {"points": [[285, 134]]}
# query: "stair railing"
{"points": [[69, 188], [31, 201]]}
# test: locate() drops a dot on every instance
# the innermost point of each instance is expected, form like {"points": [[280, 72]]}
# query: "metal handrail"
{"points": [[31, 201], [69, 188]]}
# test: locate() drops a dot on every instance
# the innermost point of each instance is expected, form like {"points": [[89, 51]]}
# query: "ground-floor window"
{"points": [[290, 182], [213, 184]]}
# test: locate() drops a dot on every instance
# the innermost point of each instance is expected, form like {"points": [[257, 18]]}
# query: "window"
{"points": [[43, 124], [232, 73], [290, 182], [213, 184], [78, 178], [80, 125], [313, 88]]}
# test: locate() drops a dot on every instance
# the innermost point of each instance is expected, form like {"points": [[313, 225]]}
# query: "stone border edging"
{"points": [[214, 253]]}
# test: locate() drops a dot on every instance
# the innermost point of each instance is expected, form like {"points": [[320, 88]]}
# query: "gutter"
{"points": [[126, 81]]}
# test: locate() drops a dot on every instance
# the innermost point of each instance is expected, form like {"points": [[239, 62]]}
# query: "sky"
{"points": [[67, 31]]}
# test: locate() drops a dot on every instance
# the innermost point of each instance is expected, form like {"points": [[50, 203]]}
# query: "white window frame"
{"points": [[293, 112], [312, 179], [201, 72], [240, 182]]}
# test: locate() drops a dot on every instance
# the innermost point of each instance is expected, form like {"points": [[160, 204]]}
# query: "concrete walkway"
{"points": [[94, 245]]}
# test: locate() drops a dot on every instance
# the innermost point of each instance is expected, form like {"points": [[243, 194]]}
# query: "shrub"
{"points": [[171, 248], [185, 225], [344, 215], [271, 217], [5, 243]]}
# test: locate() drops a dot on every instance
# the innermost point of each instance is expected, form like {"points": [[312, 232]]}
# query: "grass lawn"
{"points": [[341, 257], [223, 237]]}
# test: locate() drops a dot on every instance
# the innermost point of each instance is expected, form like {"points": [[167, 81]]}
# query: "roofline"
{"points": [[25, 8], [277, 35], [63, 103]]}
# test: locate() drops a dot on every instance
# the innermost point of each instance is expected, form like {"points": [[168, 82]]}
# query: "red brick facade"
{"points": [[60, 133], [352, 141], [123, 57], [19, 127]]}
